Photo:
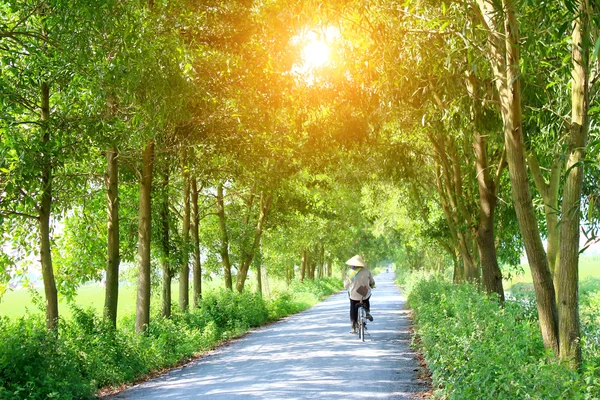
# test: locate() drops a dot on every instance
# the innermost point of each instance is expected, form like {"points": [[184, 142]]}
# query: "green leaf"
{"points": [[596, 49]]}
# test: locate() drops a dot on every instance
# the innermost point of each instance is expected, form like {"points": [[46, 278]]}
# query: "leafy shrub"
{"points": [[34, 363], [281, 305], [476, 349], [105, 356], [589, 287], [233, 313], [590, 343]]}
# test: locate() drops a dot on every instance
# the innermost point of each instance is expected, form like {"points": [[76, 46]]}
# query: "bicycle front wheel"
{"points": [[361, 330]]}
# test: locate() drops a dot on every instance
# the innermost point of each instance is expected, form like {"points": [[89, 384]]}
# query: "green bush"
{"points": [[35, 363], [281, 305], [105, 356], [477, 350], [233, 313], [589, 311], [87, 354], [590, 343]]}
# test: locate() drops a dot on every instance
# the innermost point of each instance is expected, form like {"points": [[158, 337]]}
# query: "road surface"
{"points": [[310, 355]]}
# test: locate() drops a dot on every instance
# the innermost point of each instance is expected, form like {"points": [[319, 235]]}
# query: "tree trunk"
{"points": [[265, 205], [456, 276], [504, 59], [303, 265], [44, 212], [184, 272], [551, 213], [111, 297], [469, 265], [568, 271], [289, 274], [549, 192], [166, 259], [449, 186], [322, 261], [224, 238], [515, 154], [492, 276], [197, 266], [259, 286], [142, 307]]}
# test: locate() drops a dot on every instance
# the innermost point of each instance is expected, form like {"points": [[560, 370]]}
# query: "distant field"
{"points": [[18, 303], [589, 267]]}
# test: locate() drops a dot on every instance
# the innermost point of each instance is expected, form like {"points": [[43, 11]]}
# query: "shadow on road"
{"points": [[307, 356]]}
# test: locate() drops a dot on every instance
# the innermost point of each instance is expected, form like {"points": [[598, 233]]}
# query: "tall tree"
{"points": [[504, 58], [184, 273], [111, 297], [197, 266], [38, 132], [568, 271], [44, 209], [142, 308], [249, 252], [166, 248], [224, 250], [488, 193]]}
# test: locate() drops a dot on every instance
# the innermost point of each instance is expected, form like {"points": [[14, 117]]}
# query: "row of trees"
{"points": [[176, 132], [496, 86], [169, 133]]}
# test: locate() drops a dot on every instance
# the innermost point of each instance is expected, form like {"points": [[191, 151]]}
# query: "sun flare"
{"points": [[317, 49], [316, 53]]}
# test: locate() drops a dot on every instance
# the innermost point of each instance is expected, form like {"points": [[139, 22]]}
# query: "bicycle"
{"points": [[361, 320]]}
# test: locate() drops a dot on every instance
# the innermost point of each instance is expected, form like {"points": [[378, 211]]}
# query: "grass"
{"points": [[589, 267], [17, 303]]}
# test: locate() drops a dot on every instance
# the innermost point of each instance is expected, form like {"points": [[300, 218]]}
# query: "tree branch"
{"points": [[536, 173], [499, 171], [19, 214]]}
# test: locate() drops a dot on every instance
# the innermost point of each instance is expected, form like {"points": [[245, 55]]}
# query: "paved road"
{"points": [[310, 355]]}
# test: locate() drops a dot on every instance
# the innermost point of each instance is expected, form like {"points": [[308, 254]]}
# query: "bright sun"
{"points": [[316, 53]]}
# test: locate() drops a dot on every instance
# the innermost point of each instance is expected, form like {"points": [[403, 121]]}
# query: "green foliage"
{"points": [[318, 289], [477, 349], [590, 343], [234, 313], [283, 304], [301, 295], [36, 364], [105, 356], [88, 354]]}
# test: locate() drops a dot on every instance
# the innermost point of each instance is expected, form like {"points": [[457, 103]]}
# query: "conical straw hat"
{"points": [[356, 261]]}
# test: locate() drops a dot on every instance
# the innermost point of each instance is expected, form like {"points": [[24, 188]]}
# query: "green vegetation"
{"points": [[206, 139], [87, 353], [476, 349]]}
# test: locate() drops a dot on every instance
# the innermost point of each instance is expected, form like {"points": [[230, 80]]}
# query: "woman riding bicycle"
{"points": [[358, 282]]}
